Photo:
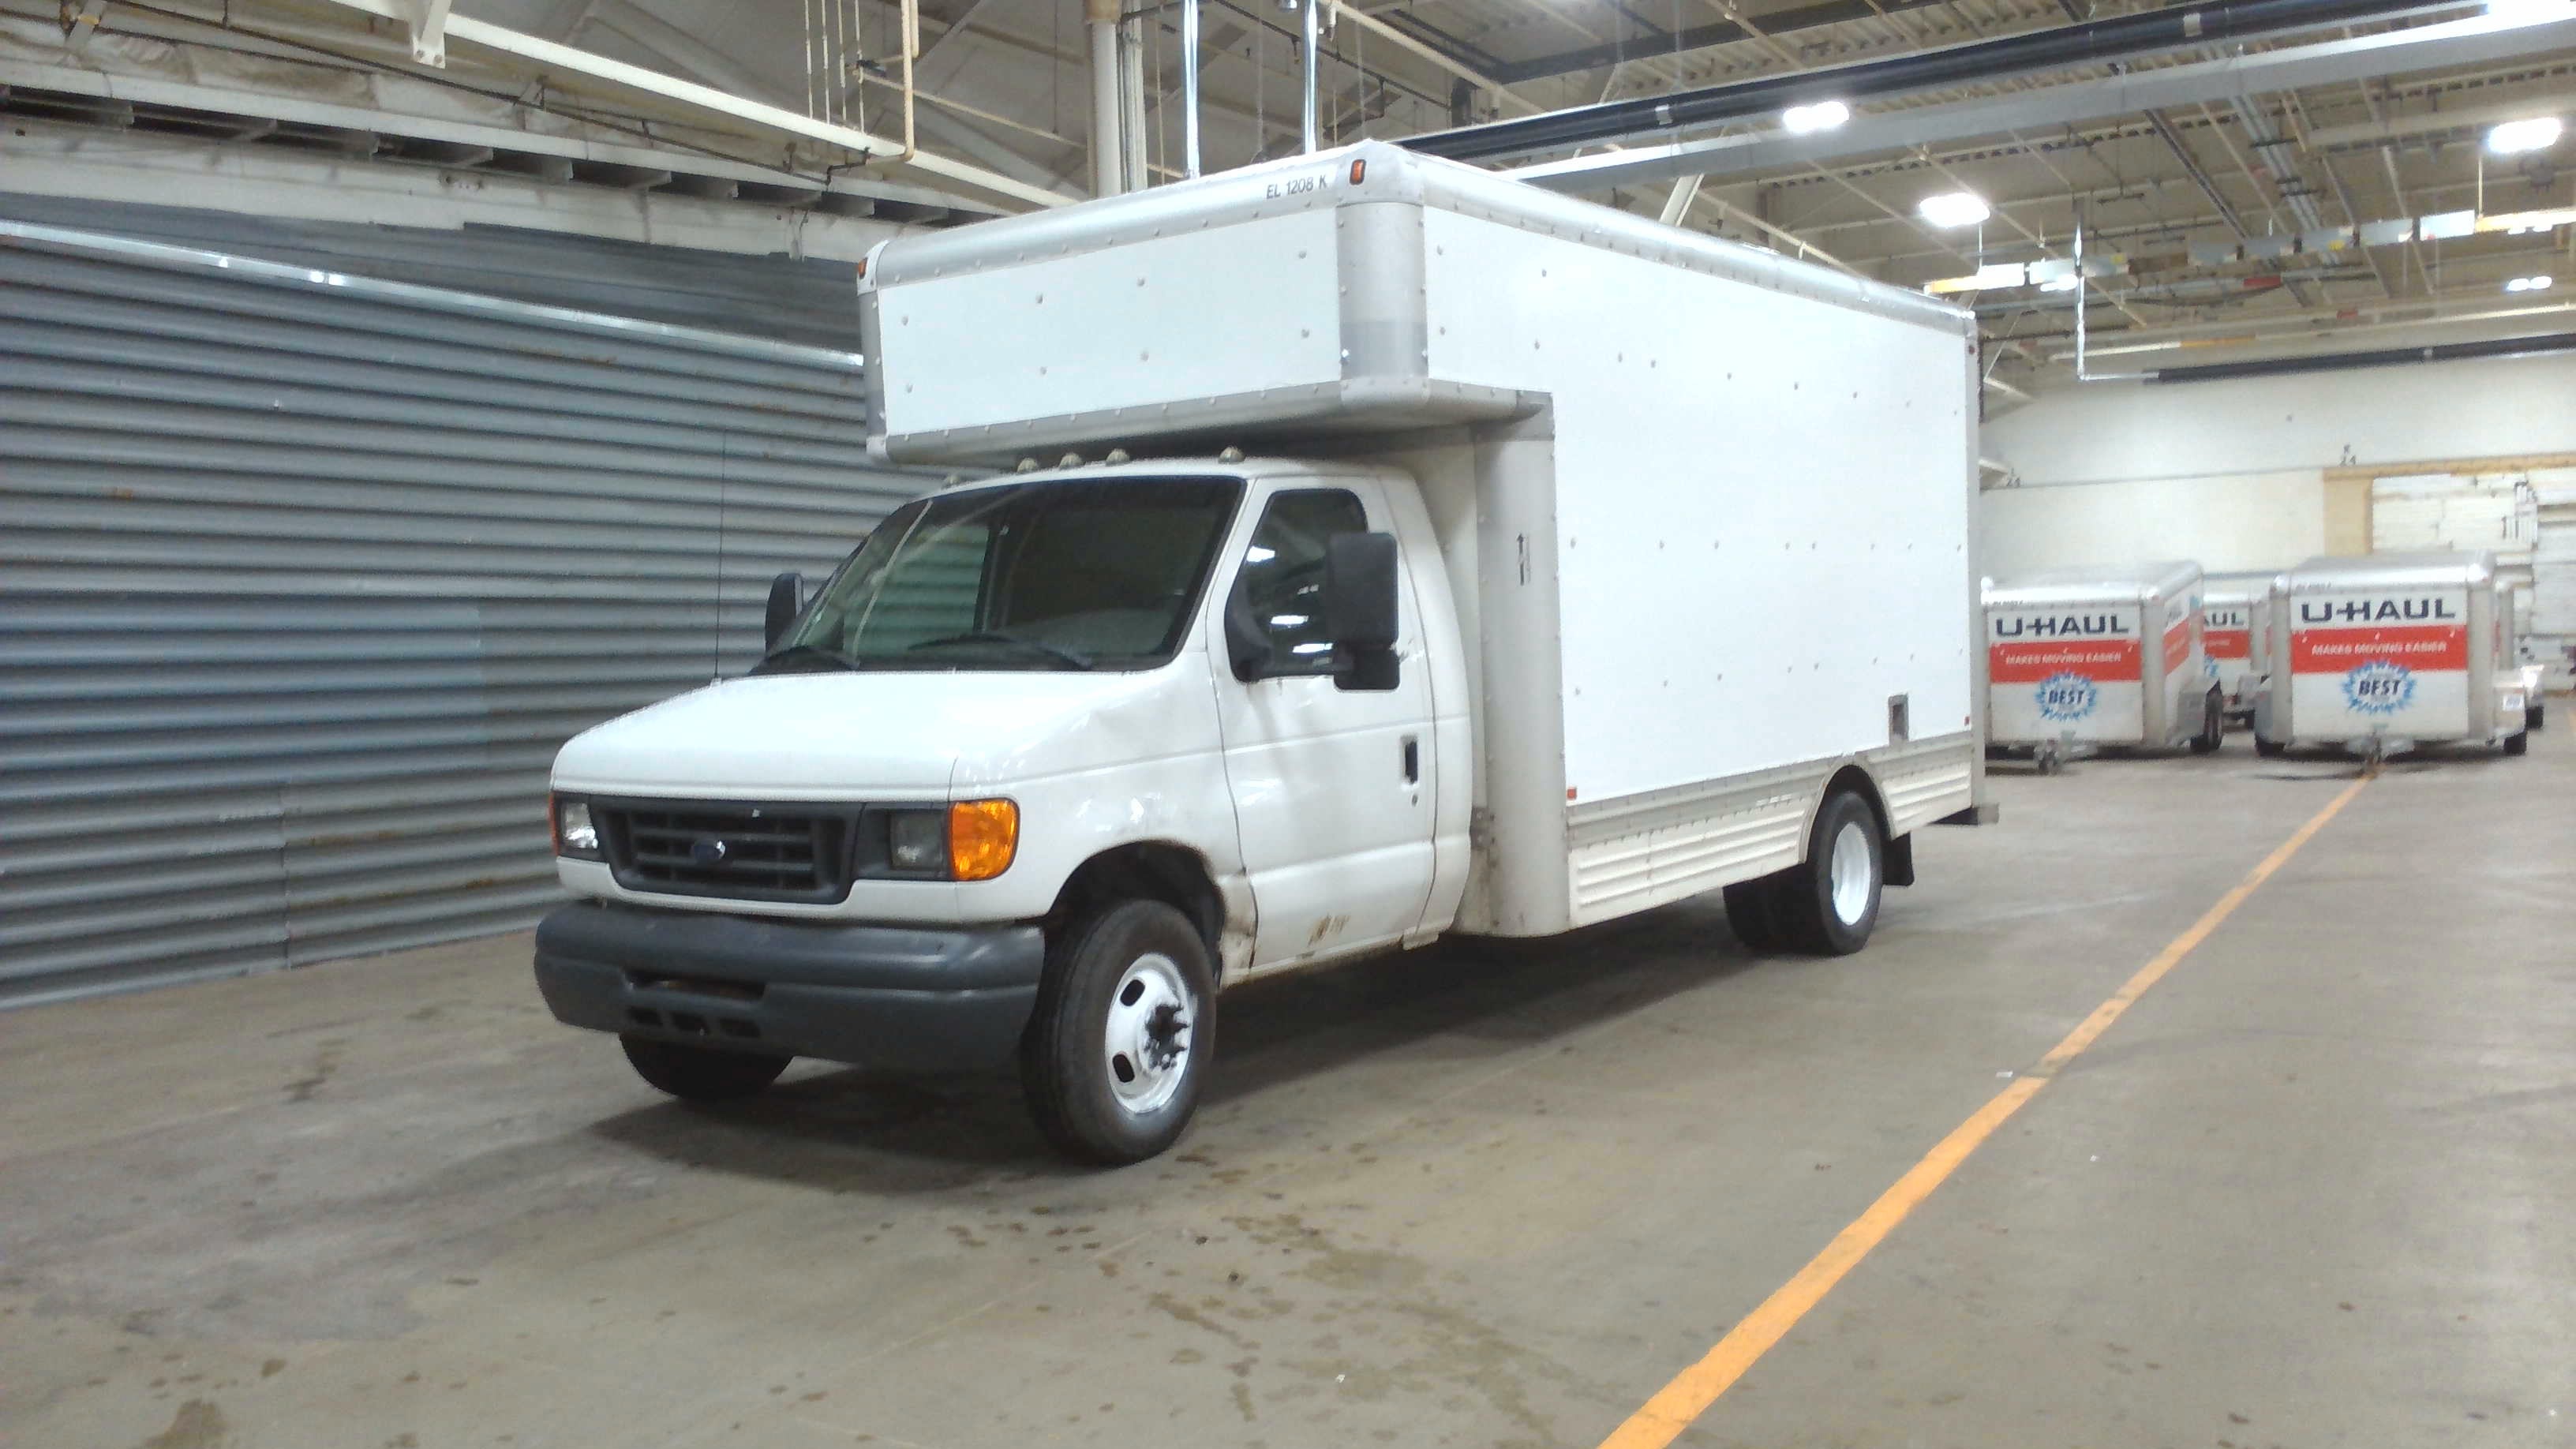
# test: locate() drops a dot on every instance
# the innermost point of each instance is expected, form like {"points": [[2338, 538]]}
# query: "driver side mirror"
{"points": [[786, 601], [1360, 609]]}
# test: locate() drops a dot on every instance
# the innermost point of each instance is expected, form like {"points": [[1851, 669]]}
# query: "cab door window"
{"points": [[1282, 580]]}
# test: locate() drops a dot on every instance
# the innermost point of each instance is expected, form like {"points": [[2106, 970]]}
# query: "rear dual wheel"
{"points": [[1826, 905]]}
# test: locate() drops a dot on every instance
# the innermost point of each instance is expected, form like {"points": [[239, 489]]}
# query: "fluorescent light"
{"points": [[1954, 208], [2062, 284], [1822, 116], [2529, 12], [2531, 284], [2513, 138]]}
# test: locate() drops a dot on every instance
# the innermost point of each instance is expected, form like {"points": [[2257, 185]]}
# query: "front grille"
{"points": [[749, 852]]}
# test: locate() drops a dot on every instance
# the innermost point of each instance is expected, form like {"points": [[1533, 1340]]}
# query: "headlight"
{"points": [[917, 840], [574, 833], [983, 837]]}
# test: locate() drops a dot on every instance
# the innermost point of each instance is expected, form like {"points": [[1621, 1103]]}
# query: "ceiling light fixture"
{"points": [[1954, 209], [1822, 116], [2062, 284], [2513, 138], [2531, 284]]}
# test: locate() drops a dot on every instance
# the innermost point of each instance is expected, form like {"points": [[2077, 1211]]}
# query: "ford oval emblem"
{"points": [[707, 850]]}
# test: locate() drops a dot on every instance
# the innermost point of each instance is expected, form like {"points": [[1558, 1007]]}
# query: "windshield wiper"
{"points": [[807, 651], [996, 636]]}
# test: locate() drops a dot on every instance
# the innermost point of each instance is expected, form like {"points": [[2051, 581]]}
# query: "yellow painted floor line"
{"points": [[1679, 1403]]}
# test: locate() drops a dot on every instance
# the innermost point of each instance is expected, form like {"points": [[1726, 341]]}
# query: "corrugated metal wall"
{"points": [[303, 578]]}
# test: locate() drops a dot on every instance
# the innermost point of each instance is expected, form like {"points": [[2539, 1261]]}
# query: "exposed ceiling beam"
{"points": [[2458, 42]]}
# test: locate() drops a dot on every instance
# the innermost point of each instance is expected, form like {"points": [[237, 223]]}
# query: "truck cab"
{"points": [[1219, 687]]}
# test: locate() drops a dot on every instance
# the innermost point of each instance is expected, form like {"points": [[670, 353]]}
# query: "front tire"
{"points": [[700, 1074], [1117, 1048], [1828, 905]]}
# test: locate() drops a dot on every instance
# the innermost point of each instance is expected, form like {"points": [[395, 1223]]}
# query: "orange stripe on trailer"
{"points": [[2177, 644], [2417, 646], [2100, 660]]}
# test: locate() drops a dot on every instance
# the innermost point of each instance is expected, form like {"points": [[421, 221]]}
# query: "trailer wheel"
{"points": [[700, 1074], [1828, 905], [2213, 725], [1753, 913], [2518, 744], [2269, 749], [1117, 1049]]}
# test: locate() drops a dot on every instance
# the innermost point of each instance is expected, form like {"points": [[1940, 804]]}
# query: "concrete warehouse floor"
{"points": [[2317, 1188]]}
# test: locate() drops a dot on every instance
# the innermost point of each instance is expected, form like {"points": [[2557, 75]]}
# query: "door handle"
{"points": [[1412, 760]]}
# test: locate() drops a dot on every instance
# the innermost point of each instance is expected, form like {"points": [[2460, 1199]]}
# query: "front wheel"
{"points": [[700, 1074], [1116, 1052], [1829, 905]]}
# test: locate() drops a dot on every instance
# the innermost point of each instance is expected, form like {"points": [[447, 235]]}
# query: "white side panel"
{"points": [[1234, 309], [1761, 505]]}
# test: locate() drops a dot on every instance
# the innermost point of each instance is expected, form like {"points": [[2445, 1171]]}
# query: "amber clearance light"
{"points": [[983, 838]]}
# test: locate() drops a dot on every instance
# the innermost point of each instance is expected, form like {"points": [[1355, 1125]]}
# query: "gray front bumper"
{"points": [[896, 997]]}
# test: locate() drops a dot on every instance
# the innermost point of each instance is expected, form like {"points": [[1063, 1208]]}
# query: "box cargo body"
{"points": [[2235, 615], [2388, 651], [1705, 512], [2098, 655]]}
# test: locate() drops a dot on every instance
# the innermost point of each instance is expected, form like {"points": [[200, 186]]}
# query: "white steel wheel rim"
{"points": [[1850, 873], [1147, 1044]]}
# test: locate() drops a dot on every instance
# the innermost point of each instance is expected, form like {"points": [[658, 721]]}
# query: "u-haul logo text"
{"points": [[2376, 611], [2226, 616], [2062, 626]]}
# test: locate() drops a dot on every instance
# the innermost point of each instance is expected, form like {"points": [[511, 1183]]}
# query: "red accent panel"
{"points": [[2095, 659], [2417, 646], [2177, 644], [2229, 643]]}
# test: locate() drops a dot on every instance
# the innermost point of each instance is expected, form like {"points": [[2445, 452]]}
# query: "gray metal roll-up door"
{"points": [[303, 578]]}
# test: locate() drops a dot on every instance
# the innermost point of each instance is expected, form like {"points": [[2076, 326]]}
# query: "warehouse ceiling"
{"points": [[2322, 189]]}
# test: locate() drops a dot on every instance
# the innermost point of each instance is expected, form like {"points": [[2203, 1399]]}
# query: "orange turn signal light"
{"points": [[983, 838]]}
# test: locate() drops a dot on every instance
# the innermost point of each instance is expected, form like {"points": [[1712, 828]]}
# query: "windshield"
{"points": [[1067, 574]]}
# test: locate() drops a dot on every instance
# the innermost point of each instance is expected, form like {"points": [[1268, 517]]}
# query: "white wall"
{"points": [[2232, 473], [2101, 432], [2229, 522]]}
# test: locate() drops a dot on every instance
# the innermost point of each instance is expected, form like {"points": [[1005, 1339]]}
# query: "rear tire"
{"points": [[2213, 725], [1752, 913], [1828, 905], [2269, 749], [1116, 1053], [2533, 717], [700, 1074], [2518, 744]]}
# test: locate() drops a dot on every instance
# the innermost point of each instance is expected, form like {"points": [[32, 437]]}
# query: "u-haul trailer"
{"points": [[1410, 558], [2079, 659], [2388, 652], [2235, 616]]}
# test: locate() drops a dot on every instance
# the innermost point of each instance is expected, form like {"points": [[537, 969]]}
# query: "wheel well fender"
{"points": [[1145, 870], [1897, 863]]}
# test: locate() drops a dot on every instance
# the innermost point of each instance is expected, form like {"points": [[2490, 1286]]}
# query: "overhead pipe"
{"points": [[1190, 87], [2543, 345], [1314, 67], [2088, 43]]}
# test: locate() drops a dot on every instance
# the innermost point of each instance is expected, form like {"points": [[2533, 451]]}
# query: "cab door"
{"points": [[1332, 785]]}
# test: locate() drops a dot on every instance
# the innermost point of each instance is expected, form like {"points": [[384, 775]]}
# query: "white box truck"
{"points": [[1435, 554], [2080, 659], [2387, 652], [2235, 619]]}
